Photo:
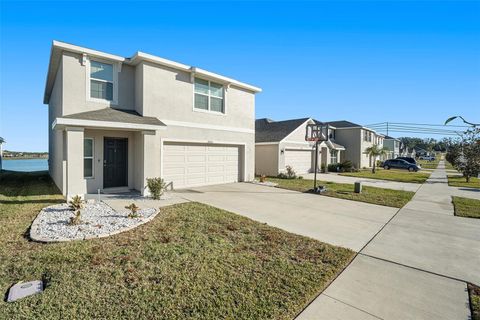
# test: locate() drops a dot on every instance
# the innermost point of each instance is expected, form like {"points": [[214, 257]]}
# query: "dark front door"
{"points": [[115, 162]]}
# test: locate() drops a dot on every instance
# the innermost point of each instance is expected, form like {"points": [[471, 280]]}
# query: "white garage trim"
{"points": [[242, 147]]}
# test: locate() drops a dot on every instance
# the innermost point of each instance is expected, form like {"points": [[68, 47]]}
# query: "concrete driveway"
{"points": [[340, 222], [333, 177]]}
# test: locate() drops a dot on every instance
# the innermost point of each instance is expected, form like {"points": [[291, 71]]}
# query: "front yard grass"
{"points": [[466, 207], [459, 181], [474, 293], [425, 164], [390, 175], [380, 196], [192, 261]]}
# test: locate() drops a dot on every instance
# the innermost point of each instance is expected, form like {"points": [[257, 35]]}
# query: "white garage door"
{"points": [[300, 160], [190, 164]]}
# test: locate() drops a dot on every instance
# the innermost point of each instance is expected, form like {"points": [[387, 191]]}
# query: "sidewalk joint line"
{"points": [[415, 268], [348, 304]]}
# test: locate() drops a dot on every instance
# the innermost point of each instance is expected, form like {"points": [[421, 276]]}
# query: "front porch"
{"points": [[108, 157]]}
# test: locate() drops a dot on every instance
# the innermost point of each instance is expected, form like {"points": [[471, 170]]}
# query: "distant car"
{"points": [[428, 158], [408, 159], [400, 164]]}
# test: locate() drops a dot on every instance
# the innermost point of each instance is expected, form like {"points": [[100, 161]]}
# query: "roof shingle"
{"points": [[116, 115], [267, 130]]}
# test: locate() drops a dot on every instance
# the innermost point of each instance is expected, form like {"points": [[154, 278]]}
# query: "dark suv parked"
{"points": [[400, 164], [408, 159]]}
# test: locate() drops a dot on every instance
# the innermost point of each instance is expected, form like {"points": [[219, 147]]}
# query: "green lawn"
{"points": [[449, 166], [474, 292], [459, 181], [465, 207], [385, 197], [428, 164], [391, 175], [192, 261]]}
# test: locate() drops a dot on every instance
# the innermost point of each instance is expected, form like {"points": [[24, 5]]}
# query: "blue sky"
{"points": [[366, 62]]}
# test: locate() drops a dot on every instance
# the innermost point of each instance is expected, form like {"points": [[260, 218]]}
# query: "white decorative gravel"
{"points": [[98, 220]]}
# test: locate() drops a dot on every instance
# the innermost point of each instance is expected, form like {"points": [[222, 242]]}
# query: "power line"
{"points": [[419, 128]]}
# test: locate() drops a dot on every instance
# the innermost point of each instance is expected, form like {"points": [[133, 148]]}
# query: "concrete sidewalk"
{"points": [[333, 177], [415, 268]]}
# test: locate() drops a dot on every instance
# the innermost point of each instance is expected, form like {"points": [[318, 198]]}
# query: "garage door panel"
{"points": [[300, 160], [196, 158], [173, 158], [195, 170], [189, 165]]}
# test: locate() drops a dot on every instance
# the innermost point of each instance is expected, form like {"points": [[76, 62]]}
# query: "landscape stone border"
{"points": [[36, 235]]}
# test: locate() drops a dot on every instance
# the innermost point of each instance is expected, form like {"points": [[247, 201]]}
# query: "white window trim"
{"points": [[209, 111], [115, 81], [336, 155], [92, 157]]}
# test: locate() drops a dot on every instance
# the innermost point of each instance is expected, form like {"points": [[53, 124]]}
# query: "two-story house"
{"points": [[356, 139], [393, 146], [279, 144], [115, 121]]}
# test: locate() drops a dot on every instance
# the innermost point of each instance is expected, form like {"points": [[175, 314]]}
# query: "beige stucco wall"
{"points": [[168, 95], [351, 139], [266, 159], [75, 183], [75, 87], [55, 137]]}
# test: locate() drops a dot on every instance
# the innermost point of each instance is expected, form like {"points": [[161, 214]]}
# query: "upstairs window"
{"points": [[101, 80], [331, 135], [367, 136], [209, 96]]}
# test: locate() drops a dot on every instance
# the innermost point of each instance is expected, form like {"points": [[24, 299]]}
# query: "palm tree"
{"points": [[374, 151]]}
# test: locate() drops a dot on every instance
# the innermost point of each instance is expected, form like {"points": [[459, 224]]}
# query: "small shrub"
{"points": [[288, 174], [346, 166], [300, 177], [379, 163], [291, 174], [282, 175], [334, 167], [76, 219], [156, 187], [133, 210], [263, 178], [76, 203]]}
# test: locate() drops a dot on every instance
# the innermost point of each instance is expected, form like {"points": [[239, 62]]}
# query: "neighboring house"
{"points": [[282, 143], [356, 138], [407, 152], [115, 121], [421, 152], [393, 146]]}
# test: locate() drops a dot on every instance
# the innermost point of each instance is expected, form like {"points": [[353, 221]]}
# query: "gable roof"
{"points": [[267, 130], [344, 124], [391, 138]]}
